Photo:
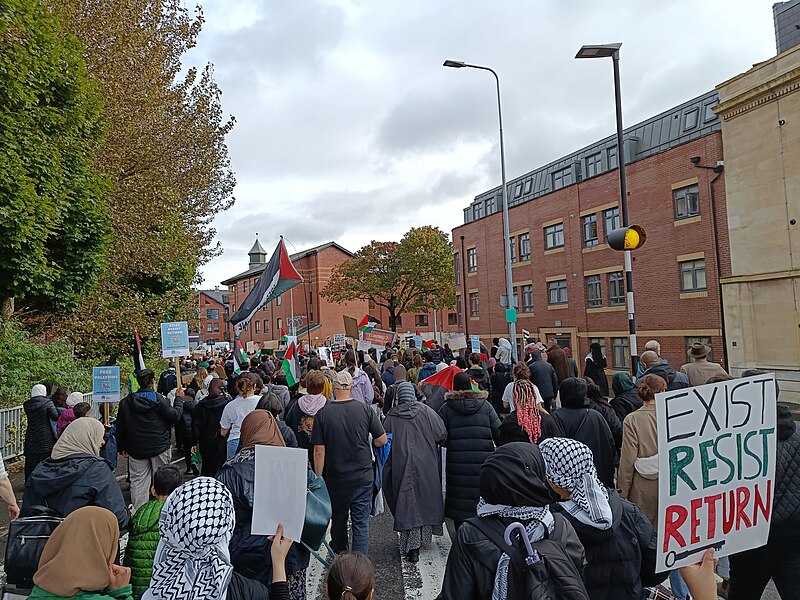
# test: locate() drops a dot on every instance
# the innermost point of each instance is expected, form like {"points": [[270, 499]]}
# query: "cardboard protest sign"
{"points": [[716, 468], [279, 495], [339, 338], [105, 384], [457, 341], [378, 337], [350, 327], [174, 339], [251, 347]]}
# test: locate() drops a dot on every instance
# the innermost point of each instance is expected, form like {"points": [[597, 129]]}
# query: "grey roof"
{"points": [[297, 256], [257, 248], [685, 122], [218, 295]]}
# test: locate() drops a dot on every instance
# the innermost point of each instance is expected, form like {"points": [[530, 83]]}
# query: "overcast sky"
{"points": [[349, 129]]}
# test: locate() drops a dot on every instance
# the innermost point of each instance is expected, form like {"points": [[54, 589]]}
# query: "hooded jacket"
{"points": [[39, 434], [472, 430], [362, 389], [144, 423], [480, 376], [281, 391], [142, 544], [675, 380], [205, 428], [428, 369], [70, 483], [785, 524], [543, 376], [625, 401]]}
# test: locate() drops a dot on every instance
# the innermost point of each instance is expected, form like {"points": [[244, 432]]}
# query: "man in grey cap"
{"points": [[341, 440]]}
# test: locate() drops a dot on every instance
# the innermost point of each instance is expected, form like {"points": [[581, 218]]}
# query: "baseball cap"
{"points": [[343, 380]]}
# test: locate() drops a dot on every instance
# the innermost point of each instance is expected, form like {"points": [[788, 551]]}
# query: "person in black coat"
{"points": [[595, 367], [626, 397], [273, 404], [619, 540], [472, 430], [500, 377], [512, 482], [543, 376], [39, 433], [528, 422], [184, 434], [581, 423], [599, 403], [205, 428]]}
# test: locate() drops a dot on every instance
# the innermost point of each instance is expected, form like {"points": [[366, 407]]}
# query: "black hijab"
{"points": [[513, 475], [572, 392]]}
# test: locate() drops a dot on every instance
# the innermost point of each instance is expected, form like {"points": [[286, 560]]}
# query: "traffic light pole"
{"points": [[623, 192]]}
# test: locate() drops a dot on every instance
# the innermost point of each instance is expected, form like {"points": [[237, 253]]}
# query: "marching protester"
{"points": [[558, 359], [595, 367], [75, 476], [472, 430], [351, 576], [544, 377], [40, 435], [247, 386], [67, 416], [528, 422], [184, 433], [205, 428], [700, 369], [361, 389], [655, 365], [500, 377], [270, 402], [478, 374], [599, 402], [411, 481], [504, 353], [300, 417], [144, 433], [626, 398]]}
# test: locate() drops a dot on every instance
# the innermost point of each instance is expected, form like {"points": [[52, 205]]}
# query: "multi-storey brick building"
{"points": [[569, 284], [212, 316]]}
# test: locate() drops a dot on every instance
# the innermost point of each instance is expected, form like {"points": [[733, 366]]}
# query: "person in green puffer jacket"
{"points": [[77, 562], [144, 537]]}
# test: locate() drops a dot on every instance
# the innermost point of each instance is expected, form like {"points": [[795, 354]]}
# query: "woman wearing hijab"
{"points": [[67, 415], [529, 422], [472, 430], [250, 553], [205, 427], [40, 434], [619, 541], [512, 488], [598, 402], [411, 482], [75, 475], [78, 560], [300, 416], [192, 561], [504, 354], [626, 398], [595, 367]]}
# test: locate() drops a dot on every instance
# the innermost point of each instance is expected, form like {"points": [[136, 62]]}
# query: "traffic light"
{"points": [[627, 238]]}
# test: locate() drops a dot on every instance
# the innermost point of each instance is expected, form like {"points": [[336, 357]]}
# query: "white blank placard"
{"points": [[280, 491]]}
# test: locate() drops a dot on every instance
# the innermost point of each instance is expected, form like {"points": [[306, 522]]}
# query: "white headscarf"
{"points": [[73, 399], [38, 390]]}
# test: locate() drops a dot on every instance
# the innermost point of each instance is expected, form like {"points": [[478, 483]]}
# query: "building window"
{"points": [[525, 246], [693, 275], [233, 288], [258, 326], [512, 243], [489, 204], [528, 186], [233, 309], [518, 190], [557, 292], [702, 340], [266, 327], [452, 318], [472, 260], [209, 328], [613, 163], [601, 341], [474, 306], [554, 236], [620, 358], [244, 287], [562, 178], [610, 220], [216, 327], [478, 209], [687, 202], [280, 324], [527, 298], [709, 114], [589, 224], [421, 320], [594, 297], [616, 289], [212, 313], [399, 321], [594, 165], [278, 300], [457, 267], [690, 119], [459, 310]]}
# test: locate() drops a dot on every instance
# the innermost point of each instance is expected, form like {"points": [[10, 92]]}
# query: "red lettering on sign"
{"points": [[762, 504], [742, 498], [711, 502], [675, 516], [696, 505]]}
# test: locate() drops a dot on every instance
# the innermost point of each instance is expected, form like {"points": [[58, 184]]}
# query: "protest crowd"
{"points": [[568, 462]]}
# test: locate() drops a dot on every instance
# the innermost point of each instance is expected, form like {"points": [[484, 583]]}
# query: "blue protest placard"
{"points": [[174, 339], [418, 341], [105, 384], [475, 342]]}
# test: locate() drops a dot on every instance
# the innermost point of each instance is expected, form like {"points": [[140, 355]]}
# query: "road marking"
{"points": [[423, 580]]}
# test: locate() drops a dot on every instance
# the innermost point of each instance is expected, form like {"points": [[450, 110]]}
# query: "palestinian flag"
{"points": [[138, 361], [428, 344], [279, 276], [438, 384], [283, 337], [240, 361], [289, 365], [366, 324]]}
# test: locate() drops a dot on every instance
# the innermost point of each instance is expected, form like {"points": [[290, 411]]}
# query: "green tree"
{"points": [[415, 274], [53, 224]]}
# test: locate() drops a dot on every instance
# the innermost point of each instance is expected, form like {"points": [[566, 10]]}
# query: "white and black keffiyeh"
{"points": [[192, 561], [536, 517], [570, 465]]}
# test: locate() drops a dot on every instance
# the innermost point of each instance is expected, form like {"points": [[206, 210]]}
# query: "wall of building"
{"points": [[760, 110], [211, 328]]}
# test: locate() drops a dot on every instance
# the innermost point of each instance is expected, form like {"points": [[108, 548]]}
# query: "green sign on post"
{"points": [[511, 315]]}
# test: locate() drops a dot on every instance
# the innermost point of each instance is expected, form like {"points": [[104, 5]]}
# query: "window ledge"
{"points": [[687, 295], [680, 222], [595, 248], [554, 250], [557, 306], [472, 274], [606, 309], [474, 318], [523, 315], [523, 263]]}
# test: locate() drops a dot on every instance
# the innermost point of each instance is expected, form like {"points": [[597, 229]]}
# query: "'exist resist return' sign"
{"points": [[716, 447]]}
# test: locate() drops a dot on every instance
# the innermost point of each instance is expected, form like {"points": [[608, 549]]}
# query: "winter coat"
{"points": [[511, 431], [597, 373], [362, 389], [500, 379], [184, 435], [472, 430], [167, 382], [205, 429], [558, 358], [472, 562], [388, 376], [412, 485], [480, 376], [39, 434], [391, 392], [250, 554], [144, 423], [675, 380], [67, 484], [289, 438], [700, 371], [281, 391], [626, 402], [785, 525], [544, 377], [617, 557], [65, 417], [611, 418], [573, 367], [426, 371], [123, 593], [588, 426], [142, 544], [639, 440]]}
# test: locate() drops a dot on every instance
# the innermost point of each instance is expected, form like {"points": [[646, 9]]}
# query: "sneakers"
{"points": [[413, 556]]}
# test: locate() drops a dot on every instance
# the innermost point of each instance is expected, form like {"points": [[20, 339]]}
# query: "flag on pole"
{"points": [[290, 364], [279, 276], [240, 361], [366, 324], [283, 337], [138, 361]]}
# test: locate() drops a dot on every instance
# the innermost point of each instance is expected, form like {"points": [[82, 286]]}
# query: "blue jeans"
{"points": [[232, 446], [355, 502], [678, 585]]}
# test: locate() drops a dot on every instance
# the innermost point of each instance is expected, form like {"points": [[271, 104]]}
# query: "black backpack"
{"points": [[551, 575]]}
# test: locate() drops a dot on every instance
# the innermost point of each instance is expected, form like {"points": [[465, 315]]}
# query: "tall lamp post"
{"points": [[612, 51], [512, 326]]}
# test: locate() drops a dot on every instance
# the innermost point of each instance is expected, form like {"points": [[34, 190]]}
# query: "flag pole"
{"points": [[291, 305]]}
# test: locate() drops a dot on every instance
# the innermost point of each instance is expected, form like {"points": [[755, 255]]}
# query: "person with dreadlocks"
{"points": [[529, 421]]}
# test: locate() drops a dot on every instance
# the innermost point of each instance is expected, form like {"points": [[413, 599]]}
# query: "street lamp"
{"points": [[612, 51], [512, 327]]}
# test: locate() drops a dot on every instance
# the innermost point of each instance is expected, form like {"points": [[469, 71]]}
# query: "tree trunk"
{"points": [[392, 320], [7, 309]]}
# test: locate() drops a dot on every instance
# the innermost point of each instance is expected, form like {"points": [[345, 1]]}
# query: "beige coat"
{"points": [[701, 371], [639, 440]]}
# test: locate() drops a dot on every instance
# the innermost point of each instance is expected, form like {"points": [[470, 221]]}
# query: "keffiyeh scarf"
{"points": [[192, 560], [535, 519], [570, 465]]}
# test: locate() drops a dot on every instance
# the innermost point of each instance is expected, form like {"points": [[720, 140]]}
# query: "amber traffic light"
{"points": [[627, 238]]}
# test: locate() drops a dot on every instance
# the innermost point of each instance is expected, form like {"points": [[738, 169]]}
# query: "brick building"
{"points": [[212, 316], [569, 284]]}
